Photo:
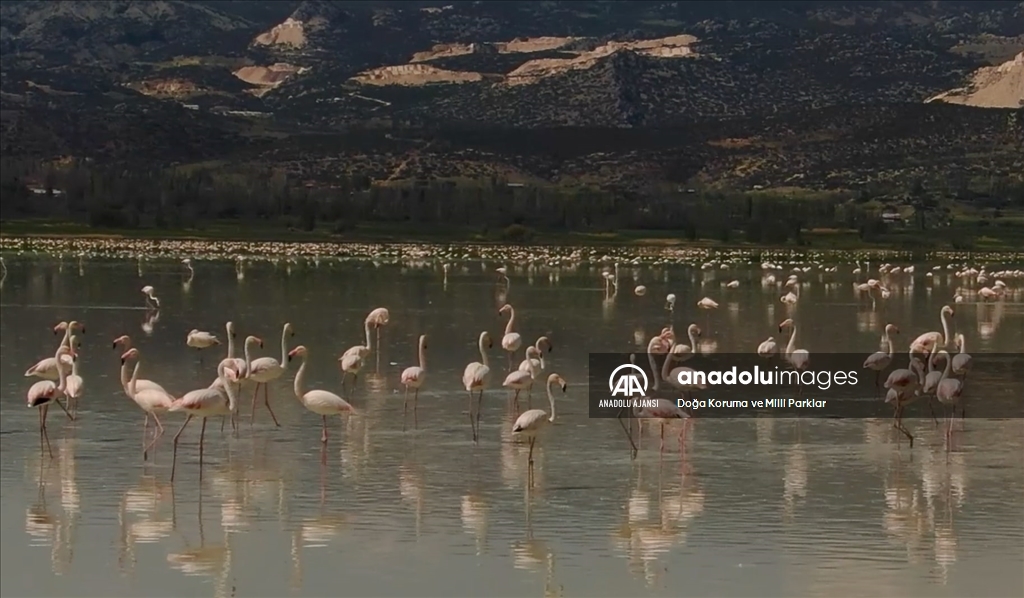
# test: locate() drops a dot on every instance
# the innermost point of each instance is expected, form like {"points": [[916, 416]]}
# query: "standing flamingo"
{"points": [[798, 358], [685, 352], [47, 368], [475, 378], [768, 348], [74, 385], [44, 392], [150, 397], [151, 300], [320, 402], [512, 340], [878, 360], [199, 340], [538, 359], [949, 392], [531, 422], [205, 402], [521, 380], [923, 344], [378, 318], [268, 369], [413, 378]]}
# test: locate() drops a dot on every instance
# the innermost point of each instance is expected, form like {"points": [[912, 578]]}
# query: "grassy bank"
{"points": [[961, 236]]}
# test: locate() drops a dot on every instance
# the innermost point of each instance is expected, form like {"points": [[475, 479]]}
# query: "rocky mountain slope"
{"points": [[808, 93]]}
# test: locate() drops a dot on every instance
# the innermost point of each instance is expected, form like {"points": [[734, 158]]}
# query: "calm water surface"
{"points": [[765, 507]]}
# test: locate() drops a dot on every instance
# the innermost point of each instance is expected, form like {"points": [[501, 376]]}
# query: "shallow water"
{"points": [[765, 507]]}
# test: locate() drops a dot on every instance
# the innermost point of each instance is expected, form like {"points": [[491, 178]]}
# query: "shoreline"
{"points": [[909, 241]]}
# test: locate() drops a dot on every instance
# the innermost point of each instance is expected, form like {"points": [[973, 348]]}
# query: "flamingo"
{"points": [[512, 340], [531, 422], [640, 290], [901, 397], [205, 403], [798, 358], [353, 359], [962, 361], [768, 348], [475, 378], [949, 392], [663, 342], [538, 359], [503, 276], [74, 385], [923, 344], [44, 392], [933, 377], [685, 352], [878, 360], [672, 377], [670, 302], [151, 300], [904, 380], [148, 395], [268, 369], [707, 304], [377, 319], [125, 343], [413, 377], [520, 380], [320, 402], [47, 368], [199, 340]]}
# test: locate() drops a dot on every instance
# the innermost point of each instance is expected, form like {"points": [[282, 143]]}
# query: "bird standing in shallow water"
{"points": [[151, 300], [413, 378], [44, 392], [320, 402], [531, 422]]}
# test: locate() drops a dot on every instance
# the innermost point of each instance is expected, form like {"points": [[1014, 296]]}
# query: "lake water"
{"points": [[765, 507]]}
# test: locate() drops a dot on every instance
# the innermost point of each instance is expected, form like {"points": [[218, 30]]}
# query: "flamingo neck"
{"points": [[63, 381], [423, 356], [231, 343], [551, 402], [945, 327], [791, 345], [963, 345], [369, 341], [124, 377], [693, 340], [300, 380], [66, 341], [654, 368], [245, 351], [888, 340], [483, 353], [74, 366], [948, 368], [284, 348], [135, 377], [510, 327], [229, 386], [665, 369]]}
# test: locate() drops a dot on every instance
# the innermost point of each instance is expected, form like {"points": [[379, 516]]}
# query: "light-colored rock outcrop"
{"points": [[166, 88], [268, 76], [289, 33], [1000, 86], [414, 74], [668, 47]]}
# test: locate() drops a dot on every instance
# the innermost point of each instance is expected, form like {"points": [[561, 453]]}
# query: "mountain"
{"points": [[817, 94]]}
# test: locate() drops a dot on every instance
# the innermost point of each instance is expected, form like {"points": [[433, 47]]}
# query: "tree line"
{"points": [[185, 198]]}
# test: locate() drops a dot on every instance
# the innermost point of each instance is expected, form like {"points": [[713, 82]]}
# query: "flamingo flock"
{"points": [[62, 380]]}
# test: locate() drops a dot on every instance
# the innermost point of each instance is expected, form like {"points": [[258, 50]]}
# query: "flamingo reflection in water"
{"points": [[531, 554], [142, 519], [43, 525], [207, 560]]}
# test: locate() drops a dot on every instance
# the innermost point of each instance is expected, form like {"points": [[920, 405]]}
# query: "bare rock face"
{"points": [[413, 75], [289, 33], [166, 88], [1000, 86], [267, 76]]}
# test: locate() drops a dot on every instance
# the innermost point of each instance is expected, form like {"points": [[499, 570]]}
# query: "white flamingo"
{"points": [[962, 361], [798, 358], [148, 395], [267, 369], [879, 361], [151, 300], [378, 318], [512, 339], [74, 385], [413, 377], [768, 348], [475, 378], [521, 380], [531, 422], [685, 352], [538, 359], [923, 344], [44, 392], [205, 403], [201, 339], [949, 392], [320, 402], [353, 359], [47, 368]]}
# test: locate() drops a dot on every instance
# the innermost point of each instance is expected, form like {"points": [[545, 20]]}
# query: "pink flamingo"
{"points": [[47, 368], [268, 369], [150, 397], [521, 379], [531, 422], [475, 378], [205, 403], [320, 402], [44, 392], [413, 378]]}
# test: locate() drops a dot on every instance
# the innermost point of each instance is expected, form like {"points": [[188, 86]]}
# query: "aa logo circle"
{"points": [[632, 382]]}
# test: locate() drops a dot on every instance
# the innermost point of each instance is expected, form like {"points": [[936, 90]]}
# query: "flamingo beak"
{"points": [[114, 345], [780, 328], [565, 387], [261, 343]]}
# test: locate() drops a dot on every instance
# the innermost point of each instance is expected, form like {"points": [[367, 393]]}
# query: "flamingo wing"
{"points": [[41, 392], [475, 375], [153, 399], [877, 360], [412, 375], [74, 384], [264, 367], [351, 362], [517, 378], [530, 421], [323, 402], [511, 341]]}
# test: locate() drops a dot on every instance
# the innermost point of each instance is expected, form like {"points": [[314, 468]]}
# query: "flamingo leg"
{"points": [[529, 461], [65, 409], [415, 409], [472, 419], [174, 457], [202, 436], [156, 436], [266, 403], [223, 420], [479, 405], [931, 409], [405, 408], [145, 432], [159, 425], [515, 401], [628, 431], [43, 435], [323, 435], [663, 437], [255, 395]]}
